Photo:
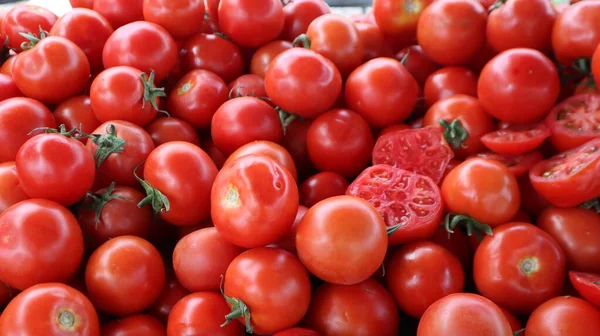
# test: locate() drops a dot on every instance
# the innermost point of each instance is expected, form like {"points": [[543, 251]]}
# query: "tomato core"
{"points": [[529, 265], [233, 196], [66, 319]]}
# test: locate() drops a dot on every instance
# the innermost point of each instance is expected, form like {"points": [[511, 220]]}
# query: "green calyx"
{"points": [[98, 201], [158, 201], [238, 309], [152, 93], [302, 40], [285, 118], [471, 225], [583, 65], [496, 5], [107, 144], [32, 39], [405, 57], [454, 133], [593, 204], [75, 133], [392, 229]]}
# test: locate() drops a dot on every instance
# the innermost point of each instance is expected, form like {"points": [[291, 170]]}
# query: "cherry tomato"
{"points": [[248, 85], [322, 186], [11, 191], [399, 18], [564, 315], [171, 294], [265, 54], [518, 165], [294, 140], [140, 324], [213, 53], [575, 121], [373, 41], [449, 81], [288, 240], [163, 130], [249, 25], [25, 19], [216, 155], [418, 64], [267, 148], [457, 243], [516, 139], [76, 112], [298, 15], [82, 3], [181, 18], [576, 32], [8, 88], [588, 285], [120, 12]]}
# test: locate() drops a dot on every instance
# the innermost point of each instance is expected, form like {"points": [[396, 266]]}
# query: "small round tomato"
{"points": [[76, 112], [382, 91], [298, 15], [425, 270], [399, 18], [263, 56], [519, 86], [120, 12], [588, 285], [242, 204], [322, 186], [575, 121], [29, 257], [10, 187], [294, 140], [452, 32], [457, 243], [172, 292], [163, 130], [518, 165], [50, 309], [8, 88], [516, 139], [288, 240], [464, 314], [248, 85], [216, 155], [6, 68], [124, 276], [140, 324], [213, 53], [267, 148], [342, 240], [25, 19], [565, 315], [449, 81], [181, 18], [373, 41], [259, 286], [344, 310], [82, 3], [582, 19], [250, 25], [418, 64]]}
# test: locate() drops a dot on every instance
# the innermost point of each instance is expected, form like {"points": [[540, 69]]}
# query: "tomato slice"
{"points": [[402, 198], [575, 121], [423, 151], [570, 178], [587, 285], [518, 165], [516, 139]]}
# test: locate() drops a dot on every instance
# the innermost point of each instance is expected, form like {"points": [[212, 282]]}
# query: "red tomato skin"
{"points": [[417, 63], [250, 25], [37, 309], [248, 85], [587, 285], [267, 148], [133, 325], [172, 292], [560, 316], [294, 140], [399, 19], [30, 257], [25, 19], [11, 191], [322, 186], [264, 55], [574, 121], [120, 12], [288, 241], [8, 88], [582, 19], [518, 165], [299, 14], [213, 53], [514, 140], [6, 68], [163, 130], [76, 112], [82, 3], [449, 81], [297, 332], [74, 25], [373, 41], [181, 19], [596, 65]]}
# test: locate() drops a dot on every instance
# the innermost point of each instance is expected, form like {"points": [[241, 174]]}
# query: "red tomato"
{"points": [[124, 276], [120, 12], [288, 241], [201, 258], [394, 128], [248, 85], [564, 315], [216, 155], [172, 292], [6, 295], [250, 25], [457, 243], [11, 191], [382, 91], [267, 148], [516, 139], [261, 59], [213, 53], [449, 81], [294, 140], [509, 92], [588, 285], [163, 130], [25, 19], [373, 41], [575, 121], [76, 112], [297, 332], [6, 68], [587, 85], [531, 201], [8, 88], [29, 256], [399, 18], [50, 309], [515, 324], [452, 32], [366, 307], [569, 179], [262, 282], [322, 186], [518, 165], [464, 314], [418, 64], [76, 26], [582, 19], [202, 314], [427, 271], [303, 82], [134, 325], [82, 3], [342, 240], [298, 15], [181, 18], [242, 203]]}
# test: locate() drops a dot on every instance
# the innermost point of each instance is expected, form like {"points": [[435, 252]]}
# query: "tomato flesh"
{"points": [[575, 121], [516, 139]]}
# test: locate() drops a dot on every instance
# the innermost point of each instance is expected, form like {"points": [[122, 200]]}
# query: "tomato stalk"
{"points": [[107, 144], [471, 225], [151, 93], [519, 332], [392, 229], [583, 65], [405, 58], [593, 204], [75, 133], [496, 5], [98, 201], [158, 201], [32, 39], [238, 309], [66, 319], [302, 40], [454, 133], [286, 118]]}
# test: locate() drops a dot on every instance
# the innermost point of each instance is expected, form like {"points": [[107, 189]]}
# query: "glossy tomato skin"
{"points": [[52, 309], [516, 139], [263, 56], [449, 81], [246, 194], [374, 43], [425, 270], [294, 140], [509, 92], [382, 91], [518, 165], [250, 25], [483, 189], [288, 240], [342, 226], [464, 314], [11, 191], [366, 308], [587, 285], [248, 85], [30, 257], [120, 12], [172, 292], [298, 15], [297, 332], [82, 3], [267, 280], [322, 186], [560, 316], [25, 19], [6, 68], [163, 130], [583, 20], [76, 112], [181, 18], [8, 88], [140, 324], [124, 276], [417, 63], [213, 53], [399, 18], [267, 148], [574, 121]]}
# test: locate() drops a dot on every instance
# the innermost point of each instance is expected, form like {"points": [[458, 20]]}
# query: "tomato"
{"points": [[464, 314], [172, 292], [366, 308], [11, 191], [521, 24], [564, 315], [7, 66], [303, 82], [399, 18], [425, 270], [322, 186], [394, 128], [382, 91], [213, 53], [587, 85], [265, 54], [452, 32], [569, 179], [288, 240], [575, 121], [76, 24], [588, 285], [163, 130], [76, 112], [25, 19], [124, 276], [140, 324], [216, 155], [82, 3], [422, 151], [120, 12], [582, 20], [202, 314], [294, 140], [267, 148], [449, 81], [50, 309], [518, 165], [298, 15], [516, 139], [181, 18], [417, 63], [531, 201], [509, 92], [249, 25], [483, 189], [179, 199], [8, 88], [248, 85], [457, 243], [342, 240], [373, 41], [29, 255], [6, 295], [262, 282], [297, 332]]}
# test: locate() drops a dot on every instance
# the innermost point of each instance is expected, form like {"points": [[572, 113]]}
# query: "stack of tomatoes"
{"points": [[233, 167]]}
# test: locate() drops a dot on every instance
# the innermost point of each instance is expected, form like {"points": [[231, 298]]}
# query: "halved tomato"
{"points": [[518, 165], [575, 121], [516, 139], [587, 285]]}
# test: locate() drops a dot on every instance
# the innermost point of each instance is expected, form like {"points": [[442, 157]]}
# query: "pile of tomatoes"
{"points": [[233, 167]]}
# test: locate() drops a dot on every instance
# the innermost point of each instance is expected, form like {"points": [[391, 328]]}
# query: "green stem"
{"points": [[158, 201], [392, 229], [285, 118], [98, 201], [454, 133], [496, 5], [107, 144], [593, 204], [152, 93], [405, 57], [583, 65], [75, 133], [238, 309], [32, 39], [302, 40], [471, 225]]}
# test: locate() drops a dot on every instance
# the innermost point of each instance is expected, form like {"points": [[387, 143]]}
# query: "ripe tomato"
{"points": [[249, 25], [582, 19], [297, 332], [82, 3], [267, 148], [418, 64], [124, 276], [523, 98], [201, 258], [140, 324], [264, 55], [202, 314], [76, 25], [464, 314], [569, 179], [322, 186], [50, 309], [483, 189], [588, 285], [181, 18], [294, 140], [575, 121], [399, 18], [213, 53], [516, 139], [186, 186], [288, 240], [248, 85], [303, 82], [8, 88], [366, 307], [298, 15], [163, 130], [76, 112], [120, 12], [264, 290], [382, 91], [242, 203], [342, 240], [452, 32], [449, 81], [564, 315], [10, 187], [6, 68], [425, 270], [373, 41], [25, 19], [29, 256], [518, 165], [171, 294], [216, 155]]}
